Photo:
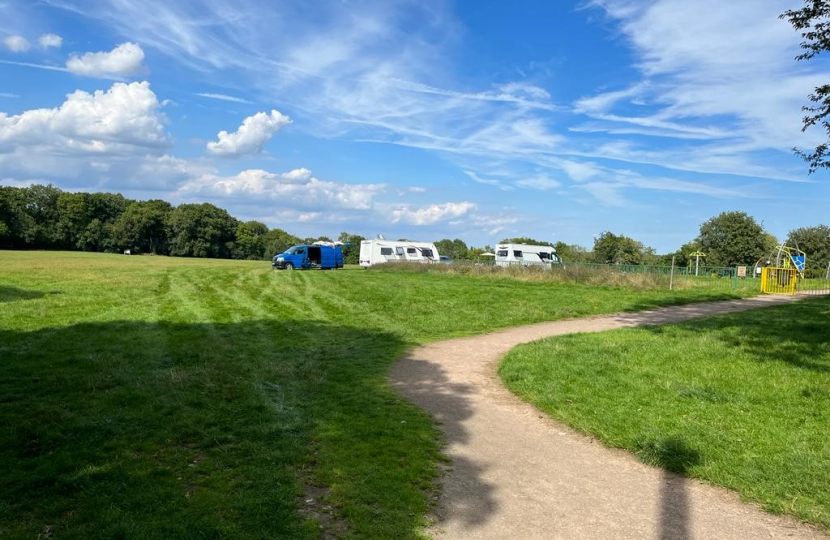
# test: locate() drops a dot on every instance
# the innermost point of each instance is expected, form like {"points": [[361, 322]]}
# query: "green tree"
{"points": [[454, 249], [142, 227], [733, 238], [74, 214], [815, 242], [351, 253], [525, 240], [610, 248], [276, 241], [201, 230], [813, 21], [32, 215], [683, 255], [250, 242], [572, 252]]}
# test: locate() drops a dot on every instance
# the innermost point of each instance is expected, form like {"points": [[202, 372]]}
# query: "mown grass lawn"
{"points": [[150, 397], [742, 400]]}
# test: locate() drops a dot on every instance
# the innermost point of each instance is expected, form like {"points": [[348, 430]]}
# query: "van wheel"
{"points": [[289, 266]]}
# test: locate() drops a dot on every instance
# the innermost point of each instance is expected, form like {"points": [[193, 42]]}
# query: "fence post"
{"points": [[671, 279]]}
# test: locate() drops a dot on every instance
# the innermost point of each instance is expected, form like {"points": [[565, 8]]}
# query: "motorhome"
{"points": [[525, 255], [379, 251]]}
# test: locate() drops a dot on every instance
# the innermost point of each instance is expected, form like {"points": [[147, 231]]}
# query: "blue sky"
{"points": [[419, 119]]}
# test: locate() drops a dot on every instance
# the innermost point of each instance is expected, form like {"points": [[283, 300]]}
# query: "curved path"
{"points": [[516, 474]]}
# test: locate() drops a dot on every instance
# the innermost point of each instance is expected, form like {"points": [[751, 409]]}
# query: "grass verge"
{"points": [[742, 401], [151, 397]]}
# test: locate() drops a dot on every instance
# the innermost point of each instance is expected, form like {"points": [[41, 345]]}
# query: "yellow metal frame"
{"points": [[779, 280]]}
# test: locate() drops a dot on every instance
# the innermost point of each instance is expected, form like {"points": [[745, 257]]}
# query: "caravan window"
{"points": [[517, 254], [544, 256], [502, 253], [385, 251], [399, 250], [427, 253], [411, 251]]}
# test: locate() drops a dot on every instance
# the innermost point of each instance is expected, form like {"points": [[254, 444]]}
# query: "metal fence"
{"points": [[723, 278]]}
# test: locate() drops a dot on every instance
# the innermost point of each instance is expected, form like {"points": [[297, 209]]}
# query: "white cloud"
{"points": [[541, 182], [16, 44], [489, 181], [296, 189], [736, 86], [123, 61], [124, 119], [223, 97], [431, 214], [580, 171], [8, 95], [50, 40], [254, 132]]}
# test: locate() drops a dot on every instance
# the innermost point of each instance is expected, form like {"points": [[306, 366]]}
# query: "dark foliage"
{"points": [[44, 217], [813, 22]]}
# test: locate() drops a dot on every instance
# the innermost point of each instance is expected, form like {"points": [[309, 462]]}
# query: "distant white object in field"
{"points": [[525, 255], [127, 252], [382, 251]]}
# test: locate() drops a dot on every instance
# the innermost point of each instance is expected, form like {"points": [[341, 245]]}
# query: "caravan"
{"points": [[525, 255], [380, 251]]}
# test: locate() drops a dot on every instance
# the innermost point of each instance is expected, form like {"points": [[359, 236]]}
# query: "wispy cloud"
{"points": [[33, 65], [223, 97]]}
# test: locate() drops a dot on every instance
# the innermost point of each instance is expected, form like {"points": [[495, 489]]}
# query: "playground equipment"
{"points": [[782, 270], [697, 255]]}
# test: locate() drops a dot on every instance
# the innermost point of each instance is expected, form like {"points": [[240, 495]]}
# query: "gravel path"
{"points": [[516, 474]]}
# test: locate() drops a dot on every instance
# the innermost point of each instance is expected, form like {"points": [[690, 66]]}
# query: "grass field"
{"points": [[150, 397], [741, 401]]}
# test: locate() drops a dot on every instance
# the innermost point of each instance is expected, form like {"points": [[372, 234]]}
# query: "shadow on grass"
{"points": [[10, 294], [797, 333], [163, 430], [675, 457], [470, 500]]}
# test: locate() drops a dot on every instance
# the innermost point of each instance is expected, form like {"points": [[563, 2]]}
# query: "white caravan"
{"points": [[382, 251], [525, 255]]}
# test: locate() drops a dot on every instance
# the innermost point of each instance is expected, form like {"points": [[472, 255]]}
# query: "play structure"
{"points": [[782, 270]]}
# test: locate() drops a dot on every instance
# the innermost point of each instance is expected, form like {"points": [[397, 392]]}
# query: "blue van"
{"points": [[306, 256]]}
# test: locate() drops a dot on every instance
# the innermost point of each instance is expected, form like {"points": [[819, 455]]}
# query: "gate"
{"points": [[779, 280]]}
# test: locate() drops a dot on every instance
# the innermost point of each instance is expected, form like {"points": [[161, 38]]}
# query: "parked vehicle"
{"points": [[309, 256], [443, 259], [382, 251], [525, 255]]}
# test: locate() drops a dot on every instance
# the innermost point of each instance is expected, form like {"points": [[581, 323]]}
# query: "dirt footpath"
{"points": [[517, 475]]}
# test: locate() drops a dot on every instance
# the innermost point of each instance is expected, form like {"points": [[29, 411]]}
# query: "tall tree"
{"points": [[250, 240], [142, 227], [610, 248], [813, 21], [201, 230], [733, 238], [454, 249], [572, 253], [276, 241], [815, 242]]}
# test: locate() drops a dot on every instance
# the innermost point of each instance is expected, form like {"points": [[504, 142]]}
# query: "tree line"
{"points": [[45, 217], [728, 239]]}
